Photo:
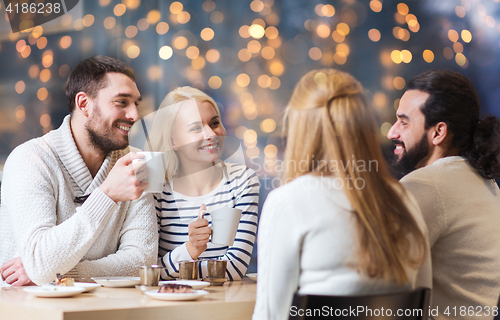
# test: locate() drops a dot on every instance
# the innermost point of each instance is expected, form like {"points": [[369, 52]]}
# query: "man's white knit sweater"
{"points": [[41, 223], [462, 212]]}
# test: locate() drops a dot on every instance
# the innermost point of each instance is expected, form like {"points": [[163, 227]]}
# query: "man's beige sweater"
{"points": [[462, 212], [41, 222]]}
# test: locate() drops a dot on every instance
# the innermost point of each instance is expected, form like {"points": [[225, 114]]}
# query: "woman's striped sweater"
{"points": [[238, 188]]}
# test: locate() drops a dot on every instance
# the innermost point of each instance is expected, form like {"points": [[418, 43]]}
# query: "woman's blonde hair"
{"points": [[164, 120], [328, 121]]}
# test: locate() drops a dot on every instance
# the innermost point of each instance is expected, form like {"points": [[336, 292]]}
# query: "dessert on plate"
{"points": [[175, 288], [65, 282]]}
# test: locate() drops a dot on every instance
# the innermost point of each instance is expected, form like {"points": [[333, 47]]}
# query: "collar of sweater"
{"points": [[449, 160], [65, 147]]}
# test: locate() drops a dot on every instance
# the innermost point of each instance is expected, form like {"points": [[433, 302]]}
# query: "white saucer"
{"points": [[197, 294], [252, 276], [117, 282], [87, 286], [195, 284], [54, 291]]}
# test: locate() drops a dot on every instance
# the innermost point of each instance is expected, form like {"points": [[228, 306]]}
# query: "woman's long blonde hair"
{"points": [[164, 120], [328, 121]]}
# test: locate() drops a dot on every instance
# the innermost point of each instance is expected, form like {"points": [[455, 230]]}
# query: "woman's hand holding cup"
{"points": [[199, 234]]}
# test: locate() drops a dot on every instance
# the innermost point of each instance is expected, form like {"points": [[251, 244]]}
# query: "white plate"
{"points": [[54, 291], [87, 286], [117, 282], [197, 294], [195, 284], [252, 276]]}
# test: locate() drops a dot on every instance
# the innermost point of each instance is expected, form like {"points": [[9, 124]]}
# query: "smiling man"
{"points": [[439, 133], [71, 200]]}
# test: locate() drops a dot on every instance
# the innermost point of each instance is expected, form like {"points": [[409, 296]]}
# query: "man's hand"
{"points": [[199, 233], [14, 274], [123, 182]]}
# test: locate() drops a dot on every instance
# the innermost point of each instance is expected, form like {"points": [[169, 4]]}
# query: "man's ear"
{"points": [[82, 102], [439, 133]]}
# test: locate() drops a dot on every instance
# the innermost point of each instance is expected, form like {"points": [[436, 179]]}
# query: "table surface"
{"points": [[234, 300]]}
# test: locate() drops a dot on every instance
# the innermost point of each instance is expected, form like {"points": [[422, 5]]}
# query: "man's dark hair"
{"points": [[89, 77], [454, 101]]}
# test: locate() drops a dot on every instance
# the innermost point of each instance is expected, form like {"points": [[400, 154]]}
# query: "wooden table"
{"points": [[233, 301]]}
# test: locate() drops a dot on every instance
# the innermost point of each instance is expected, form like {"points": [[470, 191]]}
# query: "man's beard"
{"points": [[411, 157], [101, 136]]}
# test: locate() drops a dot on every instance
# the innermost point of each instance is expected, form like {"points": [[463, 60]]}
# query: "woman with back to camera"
{"points": [[188, 127], [336, 227]]}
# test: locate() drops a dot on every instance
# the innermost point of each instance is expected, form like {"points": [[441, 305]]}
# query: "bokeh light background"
{"points": [[248, 55]]}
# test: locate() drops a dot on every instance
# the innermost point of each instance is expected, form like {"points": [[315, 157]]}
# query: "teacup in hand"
{"points": [[157, 165], [225, 222]]}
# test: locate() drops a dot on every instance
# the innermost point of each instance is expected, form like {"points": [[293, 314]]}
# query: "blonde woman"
{"points": [[340, 225], [188, 127]]}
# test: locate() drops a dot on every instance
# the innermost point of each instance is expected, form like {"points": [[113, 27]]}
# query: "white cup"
{"points": [[157, 165], [225, 222]]}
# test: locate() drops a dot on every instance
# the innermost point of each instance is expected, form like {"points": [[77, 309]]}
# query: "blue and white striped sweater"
{"points": [[240, 189]]}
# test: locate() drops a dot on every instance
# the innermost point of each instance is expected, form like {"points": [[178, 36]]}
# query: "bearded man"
{"points": [[72, 202], [439, 133]]}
